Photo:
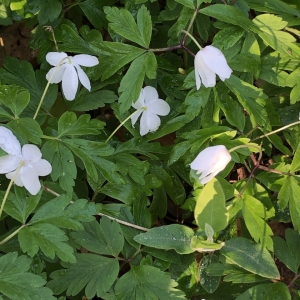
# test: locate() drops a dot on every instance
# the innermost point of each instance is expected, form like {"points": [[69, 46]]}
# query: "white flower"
{"points": [[210, 162], [69, 71], [28, 161], [150, 106], [210, 61]]}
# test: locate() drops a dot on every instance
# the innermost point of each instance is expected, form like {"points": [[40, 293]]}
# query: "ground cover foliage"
{"points": [[123, 216]]}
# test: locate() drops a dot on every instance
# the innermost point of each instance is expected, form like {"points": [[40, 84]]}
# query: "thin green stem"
{"points": [[187, 33], [49, 137], [122, 124], [11, 235], [277, 130], [47, 86], [9, 187], [190, 25]]}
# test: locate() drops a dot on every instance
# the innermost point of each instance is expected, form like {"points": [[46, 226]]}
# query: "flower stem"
{"points": [[46, 88], [187, 33], [121, 125], [190, 26], [277, 130], [8, 188], [11, 235]]}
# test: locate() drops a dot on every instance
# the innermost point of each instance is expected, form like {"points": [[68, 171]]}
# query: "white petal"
{"points": [[159, 107], [85, 60], [9, 163], [43, 167], [150, 94], [31, 153], [149, 122], [83, 77], [198, 79], [135, 116], [208, 77], [70, 82], [140, 101], [8, 142], [54, 58], [216, 61], [17, 179], [58, 74], [30, 179]]}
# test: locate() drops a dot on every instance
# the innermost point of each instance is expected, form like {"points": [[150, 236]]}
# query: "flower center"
{"points": [[144, 108]]}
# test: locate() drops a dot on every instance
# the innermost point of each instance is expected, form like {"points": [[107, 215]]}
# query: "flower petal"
{"points": [[30, 179], [140, 102], [8, 142], [135, 116], [17, 180], [43, 167], [83, 77], [85, 60], [150, 94], [70, 82], [31, 153], [149, 122], [58, 74], [208, 77], [9, 163], [216, 61], [54, 58], [159, 107], [198, 79]]}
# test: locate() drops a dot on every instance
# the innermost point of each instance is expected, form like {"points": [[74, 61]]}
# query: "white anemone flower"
{"points": [[69, 71], [27, 162], [150, 107], [210, 61], [210, 161]]}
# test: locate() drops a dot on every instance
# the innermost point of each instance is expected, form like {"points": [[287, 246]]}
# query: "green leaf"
{"points": [[254, 212], [49, 238], [95, 273], [208, 282], [251, 257], [17, 4], [296, 161], [177, 237], [114, 56], [251, 98], [93, 11], [4, 17], [14, 98], [27, 129], [91, 101], [19, 205], [50, 11], [68, 124], [58, 212], [267, 291], [104, 238], [287, 250], [123, 23], [270, 33], [229, 14], [188, 3], [147, 283], [131, 84], [210, 207], [228, 37], [150, 65], [16, 282]]}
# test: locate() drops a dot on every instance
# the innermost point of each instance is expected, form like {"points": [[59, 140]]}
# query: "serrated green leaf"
{"points": [[177, 237], [251, 257], [254, 212], [150, 65], [17, 283], [93, 11], [4, 17], [147, 283], [296, 161], [49, 238], [210, 207], [267, 291], [68, 124], [131, 84], [229, 14], [95, 273], [104, 238], [228, 37], [19, 205], [123, 23], [50, 10]]}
